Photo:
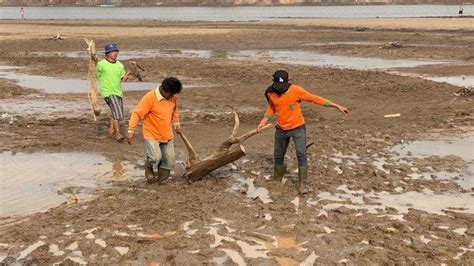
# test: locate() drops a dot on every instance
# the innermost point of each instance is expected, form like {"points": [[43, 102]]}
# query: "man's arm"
{"points": [[98, 71], [308, 97], [143, 108], [269, 113], [175, 117], [124, 74]]}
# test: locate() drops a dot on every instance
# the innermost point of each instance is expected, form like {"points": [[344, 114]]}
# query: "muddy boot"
{"points": [[149, 174], [278, 172], [302, 184], [163, 175]]}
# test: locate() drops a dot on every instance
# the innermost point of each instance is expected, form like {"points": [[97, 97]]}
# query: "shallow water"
{"points": [[308, 58], [427, 200], [243, 13], [278, 56], [462, 81], [28, 185], [66, 85], [44, 108], [461, 147]]}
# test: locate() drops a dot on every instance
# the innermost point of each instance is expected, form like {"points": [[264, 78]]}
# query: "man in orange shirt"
{"points": [[159, 111], [284, 104]]}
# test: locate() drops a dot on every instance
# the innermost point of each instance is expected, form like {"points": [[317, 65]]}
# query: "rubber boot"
{"points": [[278, 172], [163, 175], [149, 173], [302, 183]]}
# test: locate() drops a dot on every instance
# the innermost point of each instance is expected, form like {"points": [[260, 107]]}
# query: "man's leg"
{"points": [[299, 138], [117, 114], [153, 158], [280, 147], [111, 128], [116, 127], [167, 161]]}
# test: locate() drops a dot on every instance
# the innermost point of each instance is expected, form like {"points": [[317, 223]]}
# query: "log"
{"points": [[92, 78], [135, 70], [204, 167], [229, 151]]}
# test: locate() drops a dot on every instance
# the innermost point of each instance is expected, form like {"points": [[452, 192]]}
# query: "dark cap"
{"points": [[280, 80]]}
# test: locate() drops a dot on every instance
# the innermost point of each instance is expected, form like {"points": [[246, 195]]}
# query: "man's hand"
{"points": [[126, 76], [262, 124], [177, 128], [342, 109], [130, 135]]}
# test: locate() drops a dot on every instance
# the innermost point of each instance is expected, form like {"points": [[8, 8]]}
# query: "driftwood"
{"points": [[135, 70], [229, 151], [91, 78], [57, 37], [392, 45]]}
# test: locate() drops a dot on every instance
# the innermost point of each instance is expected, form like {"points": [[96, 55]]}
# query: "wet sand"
{"points": [[379, 195]]}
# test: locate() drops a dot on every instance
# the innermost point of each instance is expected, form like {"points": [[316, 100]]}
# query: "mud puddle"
{"points": [[380, 202], [278, 56], [308, 58], [457, 80], [247, 186], [462, 148], [28, 185], [461, 81], [66, 85], [41, 107], [381, 44]]}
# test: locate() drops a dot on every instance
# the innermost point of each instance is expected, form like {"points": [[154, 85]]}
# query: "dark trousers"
{"points": [[282, 140]]}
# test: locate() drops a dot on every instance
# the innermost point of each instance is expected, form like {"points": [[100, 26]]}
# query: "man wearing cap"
{"points": [[111, 73], [284, 104]]}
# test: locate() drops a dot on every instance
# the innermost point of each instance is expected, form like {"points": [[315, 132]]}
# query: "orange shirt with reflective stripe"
{"points": [[286, 107], [158, 114]]}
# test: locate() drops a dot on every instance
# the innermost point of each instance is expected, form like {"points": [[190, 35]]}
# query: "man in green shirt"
{"points": [[111, 73]]}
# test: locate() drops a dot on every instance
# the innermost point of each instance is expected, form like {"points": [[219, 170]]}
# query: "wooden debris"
{"points": [[58, 37], [229, 151], [92, 78], [135, 70], [392, 45]]}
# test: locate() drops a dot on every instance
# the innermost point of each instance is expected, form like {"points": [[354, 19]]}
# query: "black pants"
{"points": [[282, 140]]}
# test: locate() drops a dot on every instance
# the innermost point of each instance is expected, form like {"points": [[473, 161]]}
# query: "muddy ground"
{"points": [[216, 220]]}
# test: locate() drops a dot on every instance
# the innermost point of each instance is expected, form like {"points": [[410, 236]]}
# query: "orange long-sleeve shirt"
{"points": [[286, 107], [158, 114]]}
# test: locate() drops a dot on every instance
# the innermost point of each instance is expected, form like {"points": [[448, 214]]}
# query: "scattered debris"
{"points": [[460, 231], [30, 249], [54, 249], [267, 216], [466, 91], [392, 115], [296, 202], [117, 233], [391, 45], [72, 246], [424, 239], [58, 37], [101, 243], [234, 256], [122, 250]]}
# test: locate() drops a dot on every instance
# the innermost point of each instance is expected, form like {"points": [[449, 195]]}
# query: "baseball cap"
{"points": [[280, 80]]}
